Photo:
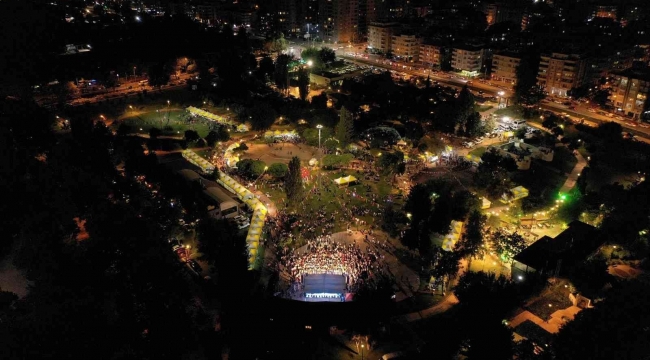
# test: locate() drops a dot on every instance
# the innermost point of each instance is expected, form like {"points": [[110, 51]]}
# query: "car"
{"points": [[630, 123], [644, 125], [195, 266]]}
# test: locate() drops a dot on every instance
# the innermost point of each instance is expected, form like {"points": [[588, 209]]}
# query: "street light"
{"points": [[362, 346], [310, 63], [319, 127]]}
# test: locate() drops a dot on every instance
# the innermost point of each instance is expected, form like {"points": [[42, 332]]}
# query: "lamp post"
{"points": [[134, 72], [187, 251], [319, 127], [362, 347], [500, 93]]}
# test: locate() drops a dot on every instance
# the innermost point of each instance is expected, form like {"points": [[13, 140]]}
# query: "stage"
{"points": [[324, 287]]}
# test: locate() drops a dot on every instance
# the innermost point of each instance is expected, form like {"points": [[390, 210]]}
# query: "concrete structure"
{"points": [[380, 35], [339, 20], [430, 54], [554, 256], [406, 47], [504, 67], [558, 73], [467, 59], [630, 91]]}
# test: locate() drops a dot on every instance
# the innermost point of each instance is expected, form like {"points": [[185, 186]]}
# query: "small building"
{"points": [[553, 256], [220, 204], [522, 153]]}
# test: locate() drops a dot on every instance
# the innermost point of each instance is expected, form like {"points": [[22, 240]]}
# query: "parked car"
{"points": [[195, 266]]}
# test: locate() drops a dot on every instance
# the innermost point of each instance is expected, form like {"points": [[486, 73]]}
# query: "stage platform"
{"points": [[324, 287]]}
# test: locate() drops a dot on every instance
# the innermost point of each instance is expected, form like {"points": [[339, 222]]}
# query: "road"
{"points": [[582, 111]]}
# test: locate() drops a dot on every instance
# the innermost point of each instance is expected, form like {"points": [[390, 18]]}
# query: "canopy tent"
{"points": [[454, 235], [195, 159], [516, 193], [281, 133], [345, 180], [208, 115], [485, 203]]}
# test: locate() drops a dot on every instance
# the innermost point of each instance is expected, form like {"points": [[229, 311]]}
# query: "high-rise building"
{"points": [[339, 20], [630, 90], [380, 35], [559, 73], [504, 66]]}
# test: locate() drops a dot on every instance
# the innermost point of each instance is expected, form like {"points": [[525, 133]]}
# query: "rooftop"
{"points": [[572, 245], [635, 73]]}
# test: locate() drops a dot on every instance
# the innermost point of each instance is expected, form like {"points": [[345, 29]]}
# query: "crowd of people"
{"points": [[325, 256]]}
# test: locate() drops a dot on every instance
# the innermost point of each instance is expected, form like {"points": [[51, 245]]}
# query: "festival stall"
{"points": [[208, 115], [454, 235], [282, 135], [197, 160], [515, 194], [345, 180], [485, 203]]}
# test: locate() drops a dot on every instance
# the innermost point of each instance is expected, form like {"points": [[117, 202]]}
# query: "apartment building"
{"points": [[630, 91], [430, 54], [380, 35], [504, 66], [406, 47], [467, 59], [339, 20], [558, 73]]}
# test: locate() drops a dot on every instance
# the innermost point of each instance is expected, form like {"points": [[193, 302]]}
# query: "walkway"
{"points": [[570, 182]]}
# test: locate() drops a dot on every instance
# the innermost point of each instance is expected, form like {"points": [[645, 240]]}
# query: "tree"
{"points": [[266, 66], [191, 135], [492, 173], [278, 170], [312, 54], [319, 101], [211, 139], [508, 245], [327, 55], [223, 134], [293, 180], [68, 91], [262, 116], [282, 71], [474, 126], [154, 132], [392, 163], [276, 44], [345, 127], [303, 83], [526, 73], [611, 330], [159, 74], [472, 242]]}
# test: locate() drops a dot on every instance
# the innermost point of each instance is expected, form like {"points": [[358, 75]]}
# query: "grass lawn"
{"points": [[171, 123], [339, 200], [479, 151]]}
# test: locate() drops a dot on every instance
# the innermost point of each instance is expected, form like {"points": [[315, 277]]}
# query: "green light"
{"points": [[563, 196]]}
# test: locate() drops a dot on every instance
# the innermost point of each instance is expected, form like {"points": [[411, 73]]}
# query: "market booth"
{"points": [[208, 115], [345, 180], [516, 193], [452, 238]]}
